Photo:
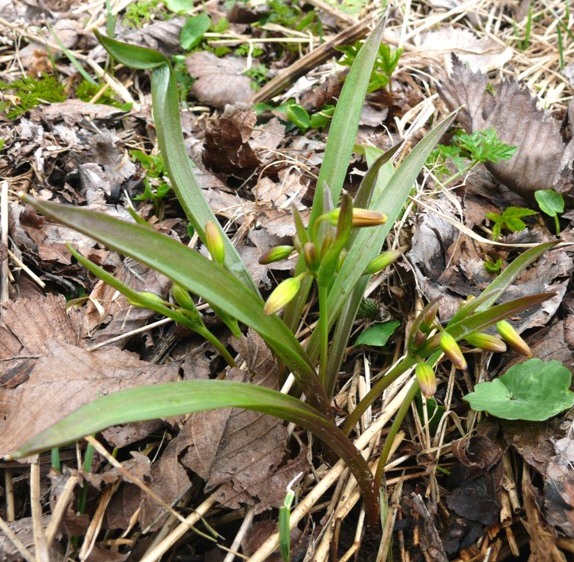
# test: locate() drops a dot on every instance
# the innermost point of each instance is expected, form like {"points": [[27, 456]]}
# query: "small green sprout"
{"points": [[304, 120], [285, 521], [552, 204], [510, 219]]}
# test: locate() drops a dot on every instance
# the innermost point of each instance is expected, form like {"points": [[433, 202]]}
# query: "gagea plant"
{"points": [[337, 251]]}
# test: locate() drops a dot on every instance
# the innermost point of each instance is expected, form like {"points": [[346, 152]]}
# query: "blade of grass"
{"points": [[173, 399], [165, 102]]}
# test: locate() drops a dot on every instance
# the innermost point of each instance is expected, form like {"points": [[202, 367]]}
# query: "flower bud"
{"points": [[214, 242], [382, 261], [429, 314], [361, 217], [311, 257], [487, 342], [512, 338], [276, 254], [145, 299], [182, 297], [452, 350], [426, 378], [285, 292]]}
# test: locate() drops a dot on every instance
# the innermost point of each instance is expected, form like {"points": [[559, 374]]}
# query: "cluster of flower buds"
{"points": [[323, 253]]}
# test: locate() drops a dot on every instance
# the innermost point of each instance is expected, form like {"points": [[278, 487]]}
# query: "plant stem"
{"points": [[323, 295], [401, 367], [389, 440]]}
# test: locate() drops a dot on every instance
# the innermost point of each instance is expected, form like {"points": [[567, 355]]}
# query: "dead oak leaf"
{"points": [[65, 379], [542, 159], [219, 80]]}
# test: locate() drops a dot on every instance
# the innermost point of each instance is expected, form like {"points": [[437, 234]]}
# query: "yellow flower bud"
{"points": [[487, 342], [452, 350], [512, 338], [275, 254], [426, 378], [285, 292], [214, 242], [361, 217], [382, 261], [182, 297]]}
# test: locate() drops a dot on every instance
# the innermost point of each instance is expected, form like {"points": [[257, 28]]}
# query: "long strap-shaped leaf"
{"points": [[205, 278], [165, 102], [345, 123], [172, 399]]}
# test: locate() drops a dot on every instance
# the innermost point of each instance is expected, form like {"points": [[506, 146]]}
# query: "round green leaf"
{"points": [[193, 30], [549, 201], [534, 391]]}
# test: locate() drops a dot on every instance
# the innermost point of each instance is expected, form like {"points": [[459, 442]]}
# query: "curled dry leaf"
{"points": [[542, 159], [219, 81]]}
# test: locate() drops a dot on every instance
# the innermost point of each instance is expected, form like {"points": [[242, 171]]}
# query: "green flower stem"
{"points": [[323, 294], [378, 388], [390, 438]]}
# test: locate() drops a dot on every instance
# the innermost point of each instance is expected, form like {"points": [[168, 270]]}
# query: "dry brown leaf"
{"points": [[160, 35], [28, 324], [219, 80], [542, 160], [64, 380], [114, 309], [542, 539], [239, 452], [225, 151]]}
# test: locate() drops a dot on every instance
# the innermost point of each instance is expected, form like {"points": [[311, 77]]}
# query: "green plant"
{"points": [[467, 150], [510, 219], [156, 189], [139, 13], [533, 391], [523, 44], [304, 121], [86, 91], [193, 30], [385, 64], [28, 92], [551, 203], [333, 255]]}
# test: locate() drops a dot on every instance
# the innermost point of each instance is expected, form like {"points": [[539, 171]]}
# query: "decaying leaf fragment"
{"points": [[542, 160]]}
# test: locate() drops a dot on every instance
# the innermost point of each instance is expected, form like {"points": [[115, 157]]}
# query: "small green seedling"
{"points": [[510, 220], [467, 150], [140, 13], [304, 121], [285, 521], [385, 64], [533, 391], [378, 335], [551, 203], [156, 189], [193, 31]]}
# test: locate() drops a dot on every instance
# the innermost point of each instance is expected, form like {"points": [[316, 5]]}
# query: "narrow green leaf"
{"points": [[345, 123], [165, 100], [133, 56], [205, 278], [173, 399], [502, 282], [485, 318]]}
